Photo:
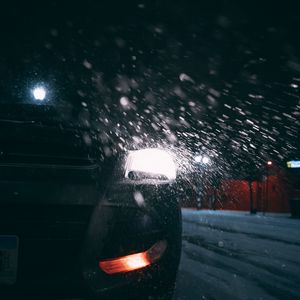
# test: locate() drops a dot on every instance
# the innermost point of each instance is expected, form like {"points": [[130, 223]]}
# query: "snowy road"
{"points": [[237, 256]]}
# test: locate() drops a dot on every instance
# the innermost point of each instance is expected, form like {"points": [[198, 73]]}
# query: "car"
{"points": [[77, 223], [86, 211]]}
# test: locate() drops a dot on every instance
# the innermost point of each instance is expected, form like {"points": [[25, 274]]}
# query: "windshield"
{"points": [[214, 84]]}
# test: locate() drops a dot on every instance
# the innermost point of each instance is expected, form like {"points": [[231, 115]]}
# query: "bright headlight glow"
{"points": [[152, 161], [39, 93]]}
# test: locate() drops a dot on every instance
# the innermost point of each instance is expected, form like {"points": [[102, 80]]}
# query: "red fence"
{"points": [[270, 195]]}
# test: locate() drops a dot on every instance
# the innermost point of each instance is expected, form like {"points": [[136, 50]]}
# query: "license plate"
{"points": [[9, 245]]}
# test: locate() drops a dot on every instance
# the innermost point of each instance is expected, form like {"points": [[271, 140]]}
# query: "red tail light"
{"points": [[134, 261]]}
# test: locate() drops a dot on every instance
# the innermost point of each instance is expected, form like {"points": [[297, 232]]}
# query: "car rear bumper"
{"points": [[60, 248]]}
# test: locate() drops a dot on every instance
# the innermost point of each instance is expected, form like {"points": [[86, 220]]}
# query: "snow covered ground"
{"points": [[228, 255]]}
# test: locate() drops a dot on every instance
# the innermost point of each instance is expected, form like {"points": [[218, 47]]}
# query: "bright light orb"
{"points": [[202, 159], [198, 158], [205, 160], [39, 93]]}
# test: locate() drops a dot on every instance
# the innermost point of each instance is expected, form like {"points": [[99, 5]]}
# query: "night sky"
{"points": [[220, 77]]}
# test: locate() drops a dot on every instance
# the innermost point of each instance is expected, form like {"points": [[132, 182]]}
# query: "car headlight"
{"points": [[150, 163]]}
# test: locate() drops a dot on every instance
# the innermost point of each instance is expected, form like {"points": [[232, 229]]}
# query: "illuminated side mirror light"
{"points": [[150, 163]]}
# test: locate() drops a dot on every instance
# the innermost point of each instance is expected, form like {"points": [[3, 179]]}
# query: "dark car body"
{"points": [[65, 202], [69, 210]]}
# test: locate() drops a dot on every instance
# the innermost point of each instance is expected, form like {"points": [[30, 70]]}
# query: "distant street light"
{"points": [[198, 158], [39, 93], [202, 159], [205, 160], [269, 164]]}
